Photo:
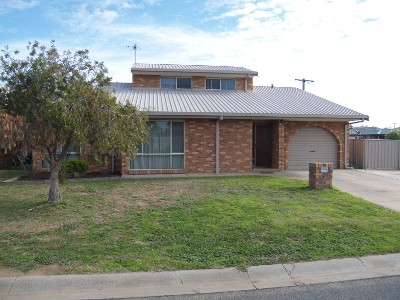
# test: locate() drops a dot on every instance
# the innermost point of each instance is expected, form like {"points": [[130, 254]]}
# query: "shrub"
{"points": [[74, 168], [393, 135]]}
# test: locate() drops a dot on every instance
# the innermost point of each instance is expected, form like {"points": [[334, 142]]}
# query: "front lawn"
{"points": [[187, 223], [9, 174]]}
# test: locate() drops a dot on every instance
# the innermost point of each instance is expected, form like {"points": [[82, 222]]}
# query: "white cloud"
{"points": [[9, 6], [347, 47]]}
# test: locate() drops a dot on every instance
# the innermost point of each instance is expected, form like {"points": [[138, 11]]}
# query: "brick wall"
{"points": [[337, 129], [236, 146], [320, 175], [198, 82], [105, 167], [200, 146], [240, 84], [146, 81], [5, 160], [278, 147]]}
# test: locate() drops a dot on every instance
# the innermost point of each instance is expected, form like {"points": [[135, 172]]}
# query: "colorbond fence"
{"points": [[375, 154]]}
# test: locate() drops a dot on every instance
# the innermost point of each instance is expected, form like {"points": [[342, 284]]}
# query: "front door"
{"points": [[263, 145]]}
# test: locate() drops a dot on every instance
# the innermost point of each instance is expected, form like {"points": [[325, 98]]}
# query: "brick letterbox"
{"points": [[320, 175]]}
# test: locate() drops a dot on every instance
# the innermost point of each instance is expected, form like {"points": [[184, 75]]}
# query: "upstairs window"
{"points": [[220, 84], [176, 83]]}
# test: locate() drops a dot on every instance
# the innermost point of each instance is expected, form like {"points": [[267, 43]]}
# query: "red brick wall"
{"points": [[200, 146], [241, 84], [236, 146], [337, 129], [278, 147], [198, 82], [5, 160], [93, 167], [146, 81]]}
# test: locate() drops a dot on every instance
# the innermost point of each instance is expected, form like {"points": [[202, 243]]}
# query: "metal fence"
{"points": [[375, 154]]}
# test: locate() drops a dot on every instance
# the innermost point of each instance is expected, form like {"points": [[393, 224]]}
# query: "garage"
{"points": [[312, 144]]}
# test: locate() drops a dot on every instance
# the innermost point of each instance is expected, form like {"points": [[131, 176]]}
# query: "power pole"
{"points": [[304, 81], [134, 48]]}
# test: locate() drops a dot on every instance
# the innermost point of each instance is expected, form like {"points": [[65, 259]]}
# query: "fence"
{"points": [[375, 154]]}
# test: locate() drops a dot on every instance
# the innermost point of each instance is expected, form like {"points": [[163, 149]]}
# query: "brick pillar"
{"points": [[121, 164], [320, 175]]}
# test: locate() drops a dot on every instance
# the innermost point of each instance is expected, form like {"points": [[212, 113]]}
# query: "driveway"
{"points": [[380, 187]]}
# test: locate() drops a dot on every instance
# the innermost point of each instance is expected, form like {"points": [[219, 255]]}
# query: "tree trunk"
{"points": [[54, 192]]}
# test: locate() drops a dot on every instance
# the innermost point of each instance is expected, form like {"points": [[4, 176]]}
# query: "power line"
{"points": [[304, 81]]}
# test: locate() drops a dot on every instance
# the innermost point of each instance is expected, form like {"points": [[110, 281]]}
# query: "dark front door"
{"points": [[263, 145]]}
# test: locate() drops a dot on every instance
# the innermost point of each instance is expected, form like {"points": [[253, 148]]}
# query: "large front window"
{"points": [[165, 149]]}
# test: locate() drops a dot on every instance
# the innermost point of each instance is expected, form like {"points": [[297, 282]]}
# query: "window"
{"points": [[176, 83], [220, 84], [72, 154], [165, 149]]}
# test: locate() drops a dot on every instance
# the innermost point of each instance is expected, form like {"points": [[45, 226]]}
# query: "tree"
{"points": [[51, 101], [393, 135]]}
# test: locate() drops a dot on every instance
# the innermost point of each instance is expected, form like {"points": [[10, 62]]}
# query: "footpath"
{"points": [[146, 284]]}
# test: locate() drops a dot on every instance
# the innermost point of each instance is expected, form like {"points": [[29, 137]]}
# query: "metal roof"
{"points": [[262, 102], [141, 67], [369, 130]]}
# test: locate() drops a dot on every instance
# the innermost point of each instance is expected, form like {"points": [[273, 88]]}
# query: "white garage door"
{"points": [[312, 144]]}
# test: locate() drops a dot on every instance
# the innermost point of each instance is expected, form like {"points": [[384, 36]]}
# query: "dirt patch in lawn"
{"points": [[42, 271]]}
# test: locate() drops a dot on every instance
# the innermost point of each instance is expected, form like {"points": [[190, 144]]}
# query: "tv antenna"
{"points": [[304, 81], [134, 48]]}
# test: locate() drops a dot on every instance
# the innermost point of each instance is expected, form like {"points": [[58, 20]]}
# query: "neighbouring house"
{"points": [[368, 132], [210, 119]]}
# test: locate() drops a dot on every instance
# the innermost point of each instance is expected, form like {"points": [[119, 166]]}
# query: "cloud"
{"points": [[347, 47], [9, 6]]}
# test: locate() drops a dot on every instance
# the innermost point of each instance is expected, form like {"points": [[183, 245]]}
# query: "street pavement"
{"points": [[381, 288], [382, 188], [192, 282]]}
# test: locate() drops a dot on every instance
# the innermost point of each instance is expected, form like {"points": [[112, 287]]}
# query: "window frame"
{"points": [[58, 151], [176, 83], [221, 85], [171, 154]]}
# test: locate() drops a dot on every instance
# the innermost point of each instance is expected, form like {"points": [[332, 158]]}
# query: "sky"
{"points": [[349, 48]]}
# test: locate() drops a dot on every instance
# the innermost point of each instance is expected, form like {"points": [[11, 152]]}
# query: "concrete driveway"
{"points": [[380, 187]]}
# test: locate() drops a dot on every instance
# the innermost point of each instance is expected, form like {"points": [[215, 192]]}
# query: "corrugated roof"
{"points": [[369, 130], [192, 69], [262, 102]]}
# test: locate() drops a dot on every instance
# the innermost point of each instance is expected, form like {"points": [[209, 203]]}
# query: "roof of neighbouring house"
{"points": [[369, 130], [262, 102], [196, 69]]}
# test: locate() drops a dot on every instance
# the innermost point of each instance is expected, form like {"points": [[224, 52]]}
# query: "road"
{"points": [[382, 288]]}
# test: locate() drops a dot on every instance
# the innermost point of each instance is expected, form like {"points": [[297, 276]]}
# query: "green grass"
{"points": [[9, 174], [188, 223]]}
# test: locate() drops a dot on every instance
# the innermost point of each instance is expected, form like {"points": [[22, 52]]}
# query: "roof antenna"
{"points": [[134, 48], [304, 81]]}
